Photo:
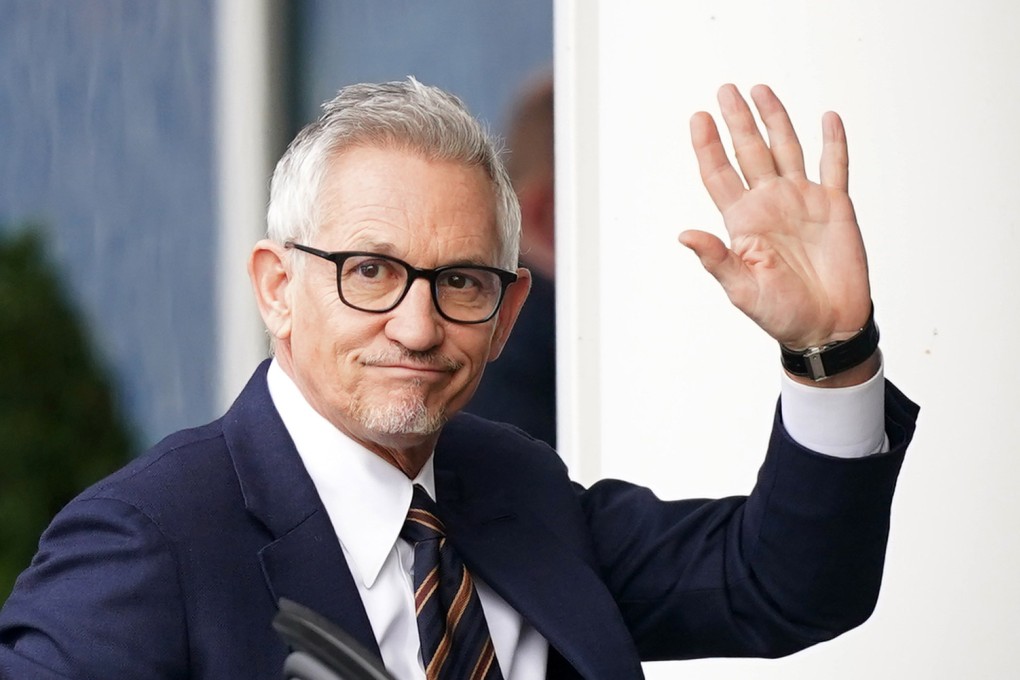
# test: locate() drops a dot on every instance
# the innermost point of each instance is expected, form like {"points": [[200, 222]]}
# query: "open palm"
{"points": [[796, 263]]}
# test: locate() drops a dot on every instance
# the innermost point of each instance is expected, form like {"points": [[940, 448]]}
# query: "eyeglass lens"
{"points": [[376, 283]]}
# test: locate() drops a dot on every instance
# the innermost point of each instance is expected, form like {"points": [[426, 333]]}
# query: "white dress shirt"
{"points": [[367, 500]]}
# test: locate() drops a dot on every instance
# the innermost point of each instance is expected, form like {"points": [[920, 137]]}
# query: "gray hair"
{"points": [[401, 114]]}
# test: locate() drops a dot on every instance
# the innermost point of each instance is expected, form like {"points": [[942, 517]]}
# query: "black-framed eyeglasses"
{"points": [[370, 282]]}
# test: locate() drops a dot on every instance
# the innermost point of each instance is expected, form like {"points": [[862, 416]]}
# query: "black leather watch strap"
{"points": [[819, 363]]}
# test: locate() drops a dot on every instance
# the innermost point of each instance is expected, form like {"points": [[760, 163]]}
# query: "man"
{"points": [[387, 282], [520, 388]]}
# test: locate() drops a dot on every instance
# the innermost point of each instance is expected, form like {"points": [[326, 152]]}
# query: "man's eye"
{"points": [[369, 270], [460, 281]]}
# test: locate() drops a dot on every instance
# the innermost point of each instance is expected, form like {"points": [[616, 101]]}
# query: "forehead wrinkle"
{"points": [[410, 243], [345, 221], [471, 257], [442, 219]]}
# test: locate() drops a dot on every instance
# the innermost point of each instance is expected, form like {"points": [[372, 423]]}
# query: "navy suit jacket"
{"points": [[172, 567]]}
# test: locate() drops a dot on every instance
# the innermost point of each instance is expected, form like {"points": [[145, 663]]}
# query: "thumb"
{"points": [[716, 258]]}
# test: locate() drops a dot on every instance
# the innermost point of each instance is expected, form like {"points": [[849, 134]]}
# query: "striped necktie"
{"points": [[455, 642]]}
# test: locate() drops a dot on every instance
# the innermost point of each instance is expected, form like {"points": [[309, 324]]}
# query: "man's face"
{"points": [[391, 379]]}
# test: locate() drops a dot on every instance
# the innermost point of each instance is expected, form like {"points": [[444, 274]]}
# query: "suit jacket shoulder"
{"points": [[157, 570]]}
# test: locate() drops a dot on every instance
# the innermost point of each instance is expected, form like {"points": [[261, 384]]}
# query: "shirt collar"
{"points": [[365, 497]]}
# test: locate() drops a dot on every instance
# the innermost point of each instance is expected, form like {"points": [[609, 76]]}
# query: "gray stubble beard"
{"points": [[403, 414]]}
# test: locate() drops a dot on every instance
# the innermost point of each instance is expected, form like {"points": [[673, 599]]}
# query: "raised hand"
{"points": [[796, 263]]}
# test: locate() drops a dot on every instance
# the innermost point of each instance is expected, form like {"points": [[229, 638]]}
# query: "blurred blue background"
{"points": [[108, 144]]}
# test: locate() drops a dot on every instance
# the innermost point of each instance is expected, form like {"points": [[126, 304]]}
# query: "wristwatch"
{"points": [[825, 361]]}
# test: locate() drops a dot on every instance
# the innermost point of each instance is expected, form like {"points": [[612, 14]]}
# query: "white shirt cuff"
{"points": [[845, 422]]}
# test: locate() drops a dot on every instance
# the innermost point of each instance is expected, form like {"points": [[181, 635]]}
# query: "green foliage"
{"points": [[59, 428]]}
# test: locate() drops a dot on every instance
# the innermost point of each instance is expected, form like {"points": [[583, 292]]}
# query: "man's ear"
{"points": [[270, 278], [513, 301]]}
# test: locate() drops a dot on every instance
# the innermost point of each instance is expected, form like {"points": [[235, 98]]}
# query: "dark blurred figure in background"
{"points": [[59, 428], [520, 388]]}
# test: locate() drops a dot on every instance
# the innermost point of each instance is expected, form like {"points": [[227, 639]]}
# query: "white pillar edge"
{"points": [[578, 384], [244, 121]]}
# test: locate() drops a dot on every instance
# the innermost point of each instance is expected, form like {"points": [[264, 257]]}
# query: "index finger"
{"points": [[722, 181]]}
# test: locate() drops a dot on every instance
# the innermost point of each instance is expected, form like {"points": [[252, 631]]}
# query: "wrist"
{"points": [[823, 363]]}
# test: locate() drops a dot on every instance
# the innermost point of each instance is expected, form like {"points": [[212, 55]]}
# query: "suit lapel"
{"points": [[307, 565], [303, 561], [553, 589], [511, 551]]}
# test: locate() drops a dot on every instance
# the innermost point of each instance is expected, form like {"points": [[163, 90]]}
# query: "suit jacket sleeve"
{"points": [[797, 562], [102, 570]]}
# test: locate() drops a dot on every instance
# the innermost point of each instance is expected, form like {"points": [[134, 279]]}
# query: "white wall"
{"points": [[663, 383]]}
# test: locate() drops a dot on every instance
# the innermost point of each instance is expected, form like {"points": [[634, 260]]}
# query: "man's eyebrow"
{"points": [[387, 248], [468, 262], [373, 246]]}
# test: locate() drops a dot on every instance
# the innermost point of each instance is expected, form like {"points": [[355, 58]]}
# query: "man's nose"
{"points": [[415, 323]]}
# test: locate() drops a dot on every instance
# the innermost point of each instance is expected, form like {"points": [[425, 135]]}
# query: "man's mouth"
{"points": [[424, 362]]}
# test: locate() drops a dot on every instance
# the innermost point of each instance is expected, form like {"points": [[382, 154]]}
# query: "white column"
{"points": [[247, 127], [577, 237]]}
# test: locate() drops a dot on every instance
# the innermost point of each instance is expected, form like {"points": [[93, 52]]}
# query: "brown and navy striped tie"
{"points": [[455, 641]]}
